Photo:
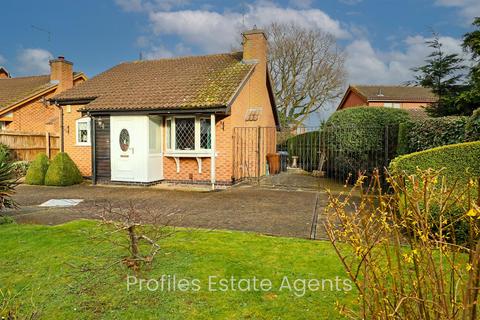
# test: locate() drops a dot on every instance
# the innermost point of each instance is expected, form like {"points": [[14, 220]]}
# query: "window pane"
{"points": [[185, 133], [82, 128], [205, 134], [169, 134]]}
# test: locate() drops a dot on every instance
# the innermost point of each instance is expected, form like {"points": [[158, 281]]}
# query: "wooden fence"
{"points": [[26, 145]]}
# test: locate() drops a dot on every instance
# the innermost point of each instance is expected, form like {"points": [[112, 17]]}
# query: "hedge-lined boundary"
{"points": [[459, 161], [430, 133]]}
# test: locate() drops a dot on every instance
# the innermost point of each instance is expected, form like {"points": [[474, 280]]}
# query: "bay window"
{"points": [[188, 134]]}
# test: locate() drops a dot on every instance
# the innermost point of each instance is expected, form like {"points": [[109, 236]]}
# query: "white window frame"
{"points": [[173, 137], [86, 120], [394, 105]]}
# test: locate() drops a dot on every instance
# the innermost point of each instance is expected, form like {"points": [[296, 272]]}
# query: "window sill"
{"points": [[83, 144], [186, 154]]}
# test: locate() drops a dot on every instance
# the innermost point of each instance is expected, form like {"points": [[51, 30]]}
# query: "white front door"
{"points": [[126, 146]]}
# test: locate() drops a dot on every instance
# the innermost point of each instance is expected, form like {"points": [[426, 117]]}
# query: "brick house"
{"points": [[169, 120], [23, 100], [412, 99]]}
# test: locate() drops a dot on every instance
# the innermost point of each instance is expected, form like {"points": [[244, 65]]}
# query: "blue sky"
{"points": [[382, 38]]}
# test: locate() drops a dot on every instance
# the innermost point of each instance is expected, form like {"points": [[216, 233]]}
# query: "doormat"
{"points": [[61, 203]]}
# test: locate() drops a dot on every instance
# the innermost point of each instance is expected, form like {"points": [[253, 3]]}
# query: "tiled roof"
{"points": [[395, 93], [13, 90], [177, 83]]}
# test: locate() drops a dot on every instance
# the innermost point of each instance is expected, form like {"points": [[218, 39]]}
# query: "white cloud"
{"points": [[351, 2], [2, 59], [468, 8], [365, 65], [213, 31], [34, 61], [158, 52]]}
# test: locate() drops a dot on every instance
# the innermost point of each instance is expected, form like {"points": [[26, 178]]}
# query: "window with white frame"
{"points": [[83, 131], [188, 133], [392, 105]]}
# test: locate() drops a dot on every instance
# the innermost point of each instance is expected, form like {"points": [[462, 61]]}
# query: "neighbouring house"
{"points": [[412, 99], [23, 100], [169, 120]]}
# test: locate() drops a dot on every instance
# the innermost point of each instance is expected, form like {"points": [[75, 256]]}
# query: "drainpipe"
{"points": [[213, 145], [94, 155], [62, 149]]}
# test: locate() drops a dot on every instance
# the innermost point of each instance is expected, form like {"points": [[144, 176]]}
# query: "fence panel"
{"points": [[26, 145]]}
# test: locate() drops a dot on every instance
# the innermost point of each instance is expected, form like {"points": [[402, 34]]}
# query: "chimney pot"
{"points": [[61, 58]]}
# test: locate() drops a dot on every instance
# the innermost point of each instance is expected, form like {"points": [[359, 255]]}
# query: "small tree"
{"points": [[37, 170], [442, 73], [62, 171], [307, 69]]}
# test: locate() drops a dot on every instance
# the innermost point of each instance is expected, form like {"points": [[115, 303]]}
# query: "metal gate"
{"points": [[339, 154]]}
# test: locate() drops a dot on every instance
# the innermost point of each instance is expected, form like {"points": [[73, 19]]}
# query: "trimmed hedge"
{"points": [[62, 172], [472, 128], [358, 138], [460, 161], [37, 170], [430, 133]]}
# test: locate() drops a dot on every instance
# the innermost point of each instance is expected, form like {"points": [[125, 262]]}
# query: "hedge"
{"points": [[62, 172], [472, 128], [305, 146], [430, 133], [37, 170], [358, 137], [459, 161]]}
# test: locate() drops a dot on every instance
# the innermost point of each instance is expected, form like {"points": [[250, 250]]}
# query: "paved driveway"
{"points": [[247, 208]]}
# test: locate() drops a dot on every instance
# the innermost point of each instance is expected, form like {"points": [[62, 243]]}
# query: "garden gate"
{"points": [[339, 154]]}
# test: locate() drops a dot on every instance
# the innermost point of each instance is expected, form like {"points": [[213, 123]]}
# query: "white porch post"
{"points": [[213, 145]]}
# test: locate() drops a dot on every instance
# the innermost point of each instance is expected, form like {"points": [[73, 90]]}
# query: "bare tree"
{"points": [[307, 69]]}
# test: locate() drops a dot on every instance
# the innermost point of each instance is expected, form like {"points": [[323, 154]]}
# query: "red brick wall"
{"points": [[353, 100], [81, 155]]}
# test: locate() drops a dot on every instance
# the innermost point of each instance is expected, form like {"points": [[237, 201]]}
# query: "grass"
{"points": [[37, 269]]}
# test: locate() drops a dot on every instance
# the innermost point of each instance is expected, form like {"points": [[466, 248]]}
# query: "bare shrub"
{"points": [[400, 249]]}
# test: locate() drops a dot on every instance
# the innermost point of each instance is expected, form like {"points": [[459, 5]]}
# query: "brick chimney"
{"points": [[61, 72], [255, 47]]}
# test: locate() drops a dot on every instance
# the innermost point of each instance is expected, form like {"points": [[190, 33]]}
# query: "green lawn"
{"points": [[36, 268]]}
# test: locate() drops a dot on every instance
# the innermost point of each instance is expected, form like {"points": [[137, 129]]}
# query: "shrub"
{"points": [[361, 135], [6, 220], [460, 161], [430, 133], [62, 171], [305, 147], [7, 185], [37, 170], [404, 130], [5, 153], [20, 168], [472, 128]]}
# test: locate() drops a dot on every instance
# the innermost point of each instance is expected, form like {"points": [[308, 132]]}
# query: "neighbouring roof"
{"points": [[13, 90], [395, 93], [196, 82]]}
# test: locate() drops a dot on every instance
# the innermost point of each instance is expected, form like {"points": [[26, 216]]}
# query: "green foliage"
{"points": [[62, 171], [472, 128], [430, 133], [37, 170], [305, 146], [459, 161], [469, 99], [7, 185], [441, 73], [404, 130], [20, 168], [5, 153], [361, 135], [6, 220]]}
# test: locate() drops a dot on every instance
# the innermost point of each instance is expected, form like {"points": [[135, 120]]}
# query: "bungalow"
{"points": [[169, 120], [23, 100], [412, 99]]}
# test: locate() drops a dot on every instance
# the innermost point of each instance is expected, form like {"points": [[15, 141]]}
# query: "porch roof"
{"points": [[176, 84]]}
